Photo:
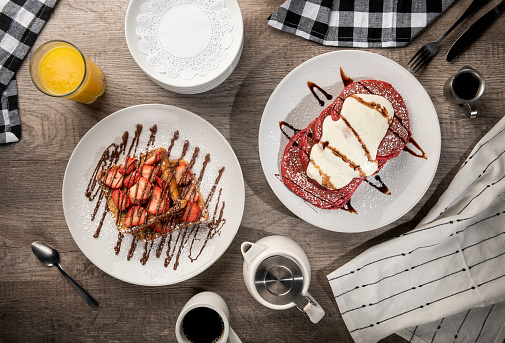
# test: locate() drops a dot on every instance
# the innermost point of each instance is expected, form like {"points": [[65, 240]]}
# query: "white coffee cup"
{"points": [[208, 304]]}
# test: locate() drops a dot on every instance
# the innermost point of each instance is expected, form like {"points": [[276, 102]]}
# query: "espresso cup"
{"points": [[464, 88], [205, 319]]}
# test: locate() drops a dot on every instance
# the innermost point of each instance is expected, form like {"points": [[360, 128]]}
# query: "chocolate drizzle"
{"points": [[99, 227], [283, 123], [312, 86], [152, 137], [348, 207], [381, 186], [346, 80], [215, 224], [172, 142], [173, 236], [295, 130], [135, 140], [117, 248], [421, 153]]}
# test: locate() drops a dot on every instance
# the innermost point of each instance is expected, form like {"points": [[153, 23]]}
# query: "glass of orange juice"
{"points": [[60, 69]]}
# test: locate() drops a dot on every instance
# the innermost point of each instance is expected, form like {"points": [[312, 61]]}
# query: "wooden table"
{"points": [[37, 304]]}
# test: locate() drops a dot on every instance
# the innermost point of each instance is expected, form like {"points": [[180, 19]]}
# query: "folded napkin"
{"points": [[357, 23], [20, 24], [444, 281]]}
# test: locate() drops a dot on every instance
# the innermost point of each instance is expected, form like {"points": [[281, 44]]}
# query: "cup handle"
{"points": [[470, 109], [313, 310], [232, 337]]}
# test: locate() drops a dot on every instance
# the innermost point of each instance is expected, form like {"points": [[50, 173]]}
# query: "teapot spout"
{"points": [[250, 251]]}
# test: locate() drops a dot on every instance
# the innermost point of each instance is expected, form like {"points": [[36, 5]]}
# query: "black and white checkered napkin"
{"points": [[445, 280], [20, 24], [357, 23]]}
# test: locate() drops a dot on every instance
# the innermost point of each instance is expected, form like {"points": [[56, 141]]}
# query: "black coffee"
{"points": [[202, 325], [466, 86]]}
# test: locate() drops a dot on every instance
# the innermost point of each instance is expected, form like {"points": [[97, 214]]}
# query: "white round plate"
{"points": [[406, 176], [78, 209], [197, 84]]}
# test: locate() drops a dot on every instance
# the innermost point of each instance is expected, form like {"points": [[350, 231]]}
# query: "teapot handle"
{"points": [[308, 305], [315, 312]]}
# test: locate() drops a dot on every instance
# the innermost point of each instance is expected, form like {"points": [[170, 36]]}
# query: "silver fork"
{"points": [[424, 55]]}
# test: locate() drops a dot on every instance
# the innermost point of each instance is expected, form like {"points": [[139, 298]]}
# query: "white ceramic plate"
{"points": [[407, 177], [197, 84], [78, 209]]}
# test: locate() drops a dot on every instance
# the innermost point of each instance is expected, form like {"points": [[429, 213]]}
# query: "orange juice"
{"points": [[59, 69]]}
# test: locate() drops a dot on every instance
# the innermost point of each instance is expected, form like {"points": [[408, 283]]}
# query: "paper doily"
{"points": [[184, 37]]}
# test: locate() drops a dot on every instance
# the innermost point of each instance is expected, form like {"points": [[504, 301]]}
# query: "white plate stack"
{"points": [[185, 46]]}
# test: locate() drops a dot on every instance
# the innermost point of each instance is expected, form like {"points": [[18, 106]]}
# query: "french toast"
{"points": [[149, 195]]}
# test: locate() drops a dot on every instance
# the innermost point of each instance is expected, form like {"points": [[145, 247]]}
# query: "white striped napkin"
{"points": [[445, 280]]}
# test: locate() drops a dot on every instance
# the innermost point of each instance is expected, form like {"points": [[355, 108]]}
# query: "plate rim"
{"points": [[215, 258]]}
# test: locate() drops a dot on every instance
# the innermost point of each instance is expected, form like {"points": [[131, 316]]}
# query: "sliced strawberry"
{"points": [[157, 228], [135, 216], [191, 212], [151, 161], [114, 178], [120, 199], [179, 174], [192, 195], [161, 183], [150, 172], [196, 197], [131, 179], [127, 166], [179, 171], [160, 202], [161, 227], [140, 192]]}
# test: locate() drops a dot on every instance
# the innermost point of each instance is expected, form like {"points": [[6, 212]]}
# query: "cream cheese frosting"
{"points": [[348, 146]]}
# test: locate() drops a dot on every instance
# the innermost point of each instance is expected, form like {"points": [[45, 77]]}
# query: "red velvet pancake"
{"points": [[297, 152]]}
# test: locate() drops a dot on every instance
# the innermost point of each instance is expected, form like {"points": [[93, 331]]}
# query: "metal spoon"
{"points": [[50, 257]]}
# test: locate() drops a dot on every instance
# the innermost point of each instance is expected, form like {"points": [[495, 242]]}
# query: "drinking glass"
{"points": [[61, 70]]}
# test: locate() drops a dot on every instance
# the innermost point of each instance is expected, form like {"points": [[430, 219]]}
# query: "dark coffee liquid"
{"points": [[202, 325], [466, 86]]}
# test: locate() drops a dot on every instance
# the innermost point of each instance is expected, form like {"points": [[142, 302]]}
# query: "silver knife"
{"points": [[474, 31]]}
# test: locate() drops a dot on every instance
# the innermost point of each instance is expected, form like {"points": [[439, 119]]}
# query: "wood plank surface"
{"points": [[38, 305]]}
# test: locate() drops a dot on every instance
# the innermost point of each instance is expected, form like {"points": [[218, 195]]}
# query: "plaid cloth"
{"points": [[20, 24], [357, 23]]}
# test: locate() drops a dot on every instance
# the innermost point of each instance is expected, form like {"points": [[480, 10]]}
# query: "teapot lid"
{"points": [[278, 280]]}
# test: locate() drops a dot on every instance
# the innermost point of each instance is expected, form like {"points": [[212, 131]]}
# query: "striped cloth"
{"points": [[20, 24], [358, 23], [445, 280]]}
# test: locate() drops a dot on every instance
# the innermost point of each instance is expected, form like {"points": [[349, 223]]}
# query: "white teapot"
{"points": [[277, 274]]}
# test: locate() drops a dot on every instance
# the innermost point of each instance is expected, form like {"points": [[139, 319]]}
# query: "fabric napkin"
{"points": [[20, 24], [357, 23], [444, 281]]}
